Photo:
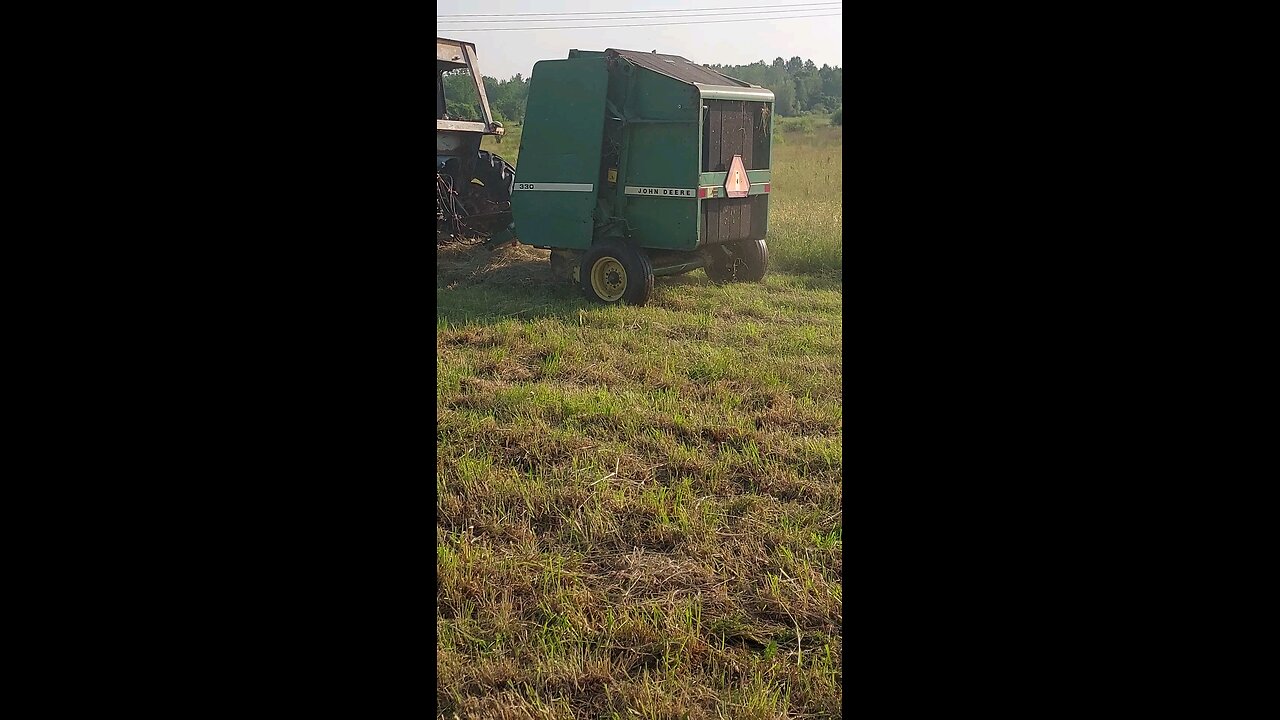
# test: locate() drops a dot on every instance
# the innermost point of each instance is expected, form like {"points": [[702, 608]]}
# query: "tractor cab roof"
{"points": [[450, 55]]}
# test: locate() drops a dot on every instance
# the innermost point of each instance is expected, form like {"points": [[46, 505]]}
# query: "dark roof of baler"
{"points": [[676, 67]]}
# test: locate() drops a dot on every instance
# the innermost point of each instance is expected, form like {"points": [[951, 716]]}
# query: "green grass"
{"points": [[805, 213], [509, 147], [638, 509]]}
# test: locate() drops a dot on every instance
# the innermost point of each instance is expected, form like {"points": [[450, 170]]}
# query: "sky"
{"points": [[503, 54]]}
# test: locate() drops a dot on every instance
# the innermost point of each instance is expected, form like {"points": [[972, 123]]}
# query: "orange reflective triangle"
{"points": [[737, 183]]}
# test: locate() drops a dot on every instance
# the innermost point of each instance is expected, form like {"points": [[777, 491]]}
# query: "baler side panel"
{"points": [[661, 158], [662, 155], [557, 178]]}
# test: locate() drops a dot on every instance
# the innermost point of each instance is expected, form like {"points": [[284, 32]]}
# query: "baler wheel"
{"points": [[742, 261], [612, 271]]}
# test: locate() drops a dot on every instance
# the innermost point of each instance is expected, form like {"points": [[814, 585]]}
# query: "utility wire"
{"points": [[633, 12], [698, 13], [595, 27]]}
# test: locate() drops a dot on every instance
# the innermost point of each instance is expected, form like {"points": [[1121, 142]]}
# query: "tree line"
{"points": [[799, 87]]}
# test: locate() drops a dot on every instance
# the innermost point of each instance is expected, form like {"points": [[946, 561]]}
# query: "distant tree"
{"points": [[798, 87], [832, 83], [784, 96], [808, 91], [506, 97], [837, 118], [461, 100], [510, 98], [753, 73]]}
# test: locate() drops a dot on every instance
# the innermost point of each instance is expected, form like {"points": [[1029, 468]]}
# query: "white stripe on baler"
{"points": [[557, 187]]}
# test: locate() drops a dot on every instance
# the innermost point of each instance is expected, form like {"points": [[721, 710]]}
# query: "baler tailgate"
{"points": [[556, 187]]}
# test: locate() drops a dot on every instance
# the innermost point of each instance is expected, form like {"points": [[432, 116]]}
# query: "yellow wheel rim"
{"points": [[608, 279]]}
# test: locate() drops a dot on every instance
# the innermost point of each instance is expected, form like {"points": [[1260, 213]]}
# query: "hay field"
{"points": [[638, 509]]}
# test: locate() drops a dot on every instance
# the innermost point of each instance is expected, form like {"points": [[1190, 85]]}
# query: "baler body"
{"points": [[649, 149]]}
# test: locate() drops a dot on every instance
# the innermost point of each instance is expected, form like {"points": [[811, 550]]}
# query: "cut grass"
{"points": [[638, 509]]}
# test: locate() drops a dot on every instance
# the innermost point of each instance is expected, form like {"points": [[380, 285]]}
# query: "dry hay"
{"points": [[512, 264]]}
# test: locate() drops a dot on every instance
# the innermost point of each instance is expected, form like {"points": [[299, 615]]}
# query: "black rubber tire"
{"points": [[639, 271], [742, 261], [487, 191], [497, 176]]}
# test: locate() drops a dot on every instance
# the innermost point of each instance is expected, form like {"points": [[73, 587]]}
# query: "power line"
{"points": [[632, 12], [699, 13], [595, 27]]}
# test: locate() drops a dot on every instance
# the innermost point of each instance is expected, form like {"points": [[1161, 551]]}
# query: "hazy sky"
{"points": [[503, 54]]}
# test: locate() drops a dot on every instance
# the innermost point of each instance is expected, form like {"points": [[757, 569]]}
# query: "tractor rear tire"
{"points": [[613, 271], [496, 175], [487, 192], [742, 261]]}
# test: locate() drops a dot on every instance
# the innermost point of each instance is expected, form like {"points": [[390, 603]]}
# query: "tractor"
{"points": [[473, 186]]}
